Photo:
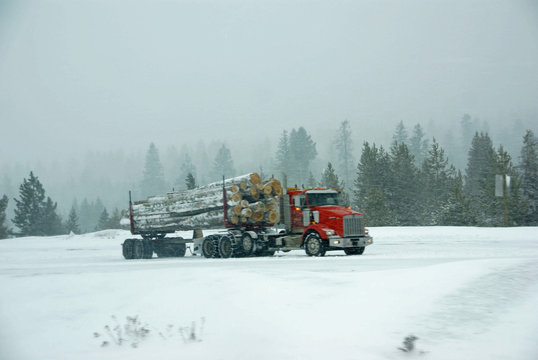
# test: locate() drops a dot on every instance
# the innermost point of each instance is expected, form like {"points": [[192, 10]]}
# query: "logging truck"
{"points": [[253, 218]]}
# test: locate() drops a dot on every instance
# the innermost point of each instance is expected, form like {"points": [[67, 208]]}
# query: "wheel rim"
{"points": [[247, 244], [313, 245], [225, 247], [208, 247]]}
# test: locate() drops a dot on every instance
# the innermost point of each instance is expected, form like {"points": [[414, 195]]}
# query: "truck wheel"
{"points": [[127, 249], [313, 245], [161, 250], [354, 251], [225, 247], [246, 245], [209, 248], [138, 249], [148, 249]]}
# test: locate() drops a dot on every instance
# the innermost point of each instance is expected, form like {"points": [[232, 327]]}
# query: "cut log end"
{"points": [[237, 209], [237, 197], [273, 217], [267, 189], [246, 212], [257, 216], [255, 178]]}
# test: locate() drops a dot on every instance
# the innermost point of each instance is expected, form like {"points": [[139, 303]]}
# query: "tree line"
{"points": [[410, 183], [36, 214], [394, 189]]}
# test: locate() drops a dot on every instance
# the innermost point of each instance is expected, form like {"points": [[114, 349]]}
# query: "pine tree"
{"points": [[529, 177], [480, 180], [282, 156], [436, 180], [114, 220], [403, 185], [223, 164], [153, 177], [373, 171], [4, 231], [190, 181], [377, 211], [400, 135], [457, 211], [51, 222], [29, 207], [418, 146], [344, 145], [329, 178], [103, 222], [302, 152], [72, 223]]}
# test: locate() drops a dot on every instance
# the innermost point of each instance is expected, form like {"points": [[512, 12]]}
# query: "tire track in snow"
{"points": [[475, 308]]}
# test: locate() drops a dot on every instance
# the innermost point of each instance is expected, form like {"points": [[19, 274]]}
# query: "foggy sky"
{"points": [[94, 75]]}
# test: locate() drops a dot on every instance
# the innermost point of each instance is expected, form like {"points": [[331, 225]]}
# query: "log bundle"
{"points": [[250, 201]]}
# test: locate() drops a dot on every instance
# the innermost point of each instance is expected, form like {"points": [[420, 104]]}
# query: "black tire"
{"points": [[138, 249], [246, 245], [209, 247], [225, 247], [148, 249], [161, 250], [127, 249], [354, 251], [313, 245]]}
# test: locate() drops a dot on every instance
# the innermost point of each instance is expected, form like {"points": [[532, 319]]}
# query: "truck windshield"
{"points": [[321, 199]]}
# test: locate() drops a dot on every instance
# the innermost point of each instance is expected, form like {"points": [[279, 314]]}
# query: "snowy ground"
{"points": [[466, 293]]}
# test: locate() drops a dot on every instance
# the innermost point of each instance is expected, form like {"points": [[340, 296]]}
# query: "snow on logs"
{"points": [[250, 201]]}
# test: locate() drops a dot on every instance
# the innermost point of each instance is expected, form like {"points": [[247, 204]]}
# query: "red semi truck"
{"points": [[311, 219]]}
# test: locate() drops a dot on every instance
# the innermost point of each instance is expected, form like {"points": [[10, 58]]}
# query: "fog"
{"points": [[84, 81]]}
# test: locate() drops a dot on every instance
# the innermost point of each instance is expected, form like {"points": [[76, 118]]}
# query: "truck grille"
{"points": [[353, 225]]}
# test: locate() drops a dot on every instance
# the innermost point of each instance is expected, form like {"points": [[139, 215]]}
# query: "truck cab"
{"points": [[319, 216]]}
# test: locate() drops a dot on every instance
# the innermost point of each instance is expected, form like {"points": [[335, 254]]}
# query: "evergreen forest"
{"points": [[411, 179]]}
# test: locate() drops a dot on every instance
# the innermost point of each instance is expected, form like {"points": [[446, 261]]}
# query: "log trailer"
{"points": [[311, 219]]}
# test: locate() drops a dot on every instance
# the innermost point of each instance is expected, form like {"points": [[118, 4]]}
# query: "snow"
{"points": [[466, 293]]}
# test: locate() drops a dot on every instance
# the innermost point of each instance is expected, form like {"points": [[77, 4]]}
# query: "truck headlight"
{"points": [[366, 232], [329, 232], [336, 242]]}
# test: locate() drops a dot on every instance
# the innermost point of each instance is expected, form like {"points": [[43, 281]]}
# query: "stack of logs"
{"points": [[250, 201], [254, 201]]}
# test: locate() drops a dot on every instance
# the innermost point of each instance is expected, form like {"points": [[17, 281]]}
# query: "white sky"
{"points": [[78, 75]]}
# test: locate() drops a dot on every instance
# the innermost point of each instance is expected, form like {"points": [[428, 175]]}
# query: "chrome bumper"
{"points": [[358, 241]]}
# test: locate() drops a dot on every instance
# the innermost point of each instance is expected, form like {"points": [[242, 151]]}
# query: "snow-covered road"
{"points": [[466, 293]]}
